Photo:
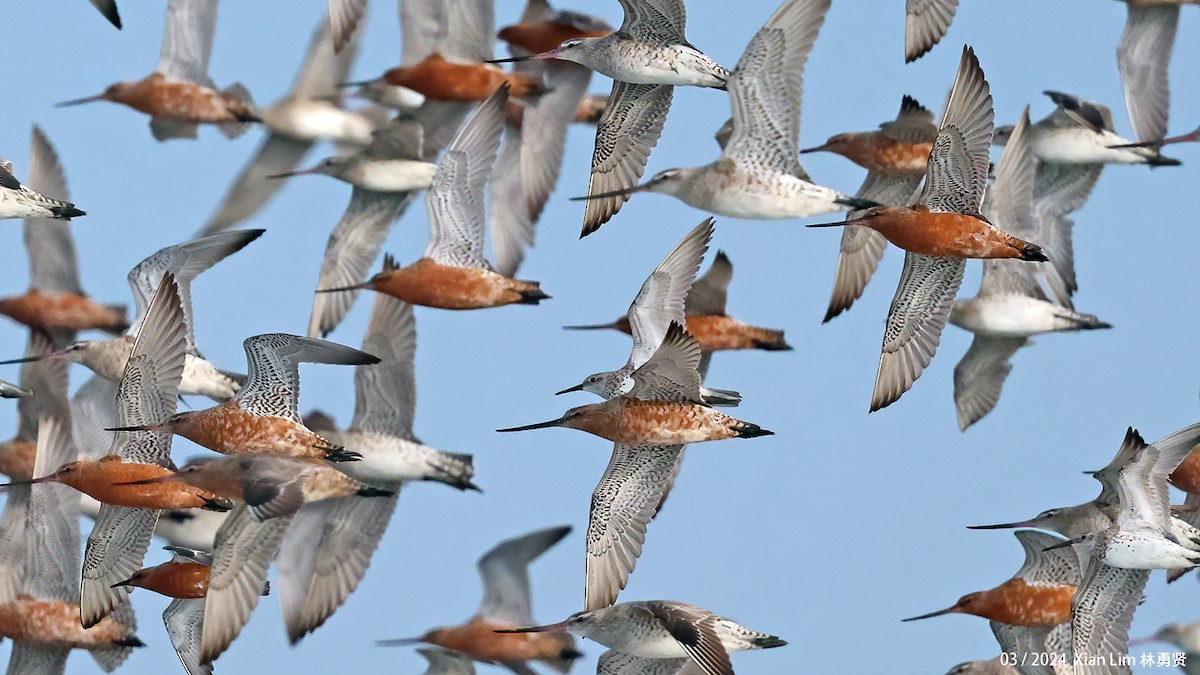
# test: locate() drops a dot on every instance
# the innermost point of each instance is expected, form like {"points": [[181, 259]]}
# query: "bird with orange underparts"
{"points": [[148, 390], [1011, 306], [39, 561], [184, 579], [939, 231], [1031, 612], [536, 134], [664, 407], [507, 603], [895, 157], [179, 95], [705, 317], [454, 273], [47, 383], [661, 630], [446, 45], [185, 261], [263, 417], [330, 543], [386, 177], [269, 485], [55, 302]]}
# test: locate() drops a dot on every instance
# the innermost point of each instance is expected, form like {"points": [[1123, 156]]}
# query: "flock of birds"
{"points": [[485, 144]]}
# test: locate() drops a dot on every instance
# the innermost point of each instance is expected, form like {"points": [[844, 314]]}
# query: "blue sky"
{"points": [[827, 533]]}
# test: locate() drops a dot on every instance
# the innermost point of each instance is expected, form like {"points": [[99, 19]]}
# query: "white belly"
{"points": [[385, 461], [1139, 553], [13, 206], [319, 120], [1083, 146], [651, 64], [395, 175], [202, 378], [775, 197], [1007, 316]]}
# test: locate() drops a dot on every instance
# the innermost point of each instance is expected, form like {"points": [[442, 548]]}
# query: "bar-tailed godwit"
{"points": [[179, 95], [310, 112], [1122, 556], [939, 231], [446, 46], [263, 417], [507, 603], [758, 175], [665, 629], [889, 155], [39, 588], [541, 28], [47, 380], [454, 273], [185, 261], [1143, 56], [1011, 306], [149, 390], [1079, 131], [705, 317], [536, 133], [662, 409], [658, 304], [269, 485], [1037, 596], [55, 302], [315, 579], [646, 57]]}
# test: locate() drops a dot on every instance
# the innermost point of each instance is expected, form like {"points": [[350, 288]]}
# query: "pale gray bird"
{"points": [[665, 629]]}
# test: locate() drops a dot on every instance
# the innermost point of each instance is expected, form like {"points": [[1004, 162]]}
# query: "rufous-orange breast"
{"points": [[1186, 476], [876, 151], [716, 333], [62, 311], [635, 421], [951, 235], [432, 284], [16, 458], [441, 80], [183, 102], [112, 481], [228, 429], [479, 640], [173, 579], [1018, 603], [542, 36], [55, 622]]}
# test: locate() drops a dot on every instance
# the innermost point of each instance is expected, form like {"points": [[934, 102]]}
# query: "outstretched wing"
{"points": [[625, 500]]}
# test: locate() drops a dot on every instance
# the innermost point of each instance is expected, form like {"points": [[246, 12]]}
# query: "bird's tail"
{"points": [[720, 397]]}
